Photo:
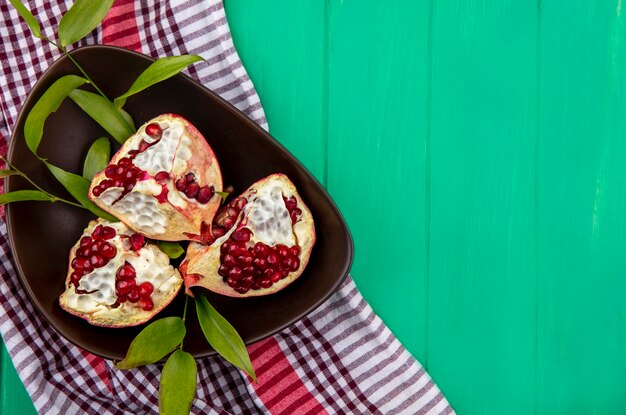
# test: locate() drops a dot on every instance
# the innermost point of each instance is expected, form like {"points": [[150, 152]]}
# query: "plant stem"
{"points": [[22, 174], [62, 49], [185, 309], [184, 316]]}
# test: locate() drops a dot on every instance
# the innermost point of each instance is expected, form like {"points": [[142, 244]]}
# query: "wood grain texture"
{"points": [[282, 44], [582, 208], [481, 345], [377, 127]]}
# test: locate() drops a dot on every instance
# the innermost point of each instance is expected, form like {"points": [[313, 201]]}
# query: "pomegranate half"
{"points": [[163, 182], [263, 241], [116, 278]]}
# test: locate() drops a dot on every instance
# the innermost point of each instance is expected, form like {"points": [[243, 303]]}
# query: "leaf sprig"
{"points": [[165, 336]]}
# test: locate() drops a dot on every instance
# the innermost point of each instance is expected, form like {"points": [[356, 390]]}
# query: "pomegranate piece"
{"points": [[162, 183], [262, 241], [116, 278]]}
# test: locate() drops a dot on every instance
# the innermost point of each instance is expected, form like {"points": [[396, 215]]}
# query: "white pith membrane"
{"points": [[180, 150], [266, 215], [98, 304]]}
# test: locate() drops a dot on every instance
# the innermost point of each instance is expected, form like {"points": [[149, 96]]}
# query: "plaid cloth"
{"points": [[341, 359]]}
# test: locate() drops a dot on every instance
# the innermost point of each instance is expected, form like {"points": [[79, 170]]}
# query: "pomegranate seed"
{"points": [[242, 290], [235, 273], [242, 235], [192, 190], [124, 162], [255, 285], [266, 283], [295, 250], [145, 289], [133, 296], [245, 260], [181, 185], [223, 270], [154, 130], [296, 264], [96, 261], [229, 260], [231, 283], [288, 262], [161, 176], [232, 212], [75, 278], [137, 241], [190, 178], [282, 250], [97, 232], [229, 222], [269, 272], [118, 183], [272, 259], [248, 270], [260, 263], [261, 249], [79, 263], [218, 232], [246, 281], [126, 271], [146, 304], [108, 232], [129, 175], [284, 273], [125, 286], [277, 276], [240, 202], [83, 251], [225, 246], [108, 251], [129, 187], [97, 191], [205, 194], [297, 212], [110, 170]]}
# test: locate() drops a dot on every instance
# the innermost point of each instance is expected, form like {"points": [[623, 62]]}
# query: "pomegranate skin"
{"points": [[139, 184], [97, 294], [248, 257]]}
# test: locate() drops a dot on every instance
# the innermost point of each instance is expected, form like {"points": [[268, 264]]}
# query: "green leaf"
{"points": [[158, 71], [28, 17], [223, 195], [46, 105], [5, 173], [171, 249], [82, 18], [104, 113], [78, 187], [222, 336], [178, 384], [154, 342], [128, 118], [23, 195], [97, 158]]}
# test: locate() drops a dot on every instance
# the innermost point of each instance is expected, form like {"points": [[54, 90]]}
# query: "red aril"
{"points": [[162, 183], [261, 243]]}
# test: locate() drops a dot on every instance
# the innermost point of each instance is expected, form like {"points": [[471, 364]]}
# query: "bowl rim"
{"points": [[241, 117]]}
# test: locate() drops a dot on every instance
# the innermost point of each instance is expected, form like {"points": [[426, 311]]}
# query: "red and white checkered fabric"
{"points": [[341, 359]]}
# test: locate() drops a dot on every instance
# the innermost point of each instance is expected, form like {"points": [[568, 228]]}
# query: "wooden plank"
{"points": [[377, 123], [482, 254], [281, 44], [13, 396], [582, 208]]}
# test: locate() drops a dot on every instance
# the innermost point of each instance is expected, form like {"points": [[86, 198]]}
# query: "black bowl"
{"points": [[41, 233]]}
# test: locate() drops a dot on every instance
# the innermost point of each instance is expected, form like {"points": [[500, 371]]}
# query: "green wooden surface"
{"points": [[477, 149]]}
